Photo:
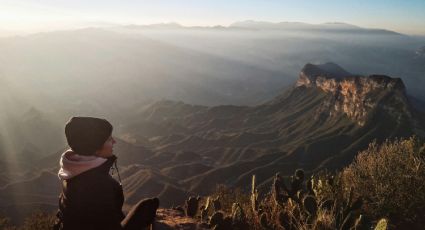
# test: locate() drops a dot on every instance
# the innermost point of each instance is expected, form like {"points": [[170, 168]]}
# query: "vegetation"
{"points": [[382, 189], [37, 221], [391, 178]]}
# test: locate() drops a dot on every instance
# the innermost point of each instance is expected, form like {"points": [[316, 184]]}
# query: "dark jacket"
{"points": [[92, 200]]}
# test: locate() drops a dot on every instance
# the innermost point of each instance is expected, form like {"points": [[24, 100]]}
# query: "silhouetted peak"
{"points": [[329, 70]]}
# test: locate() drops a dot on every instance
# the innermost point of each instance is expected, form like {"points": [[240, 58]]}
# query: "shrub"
{"points": [[39, 221], [5, 224], [384, 181], [391, 178], [228, 196]]}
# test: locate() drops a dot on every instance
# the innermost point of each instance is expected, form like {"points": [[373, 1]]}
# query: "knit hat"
{"points": [[86, 135]]}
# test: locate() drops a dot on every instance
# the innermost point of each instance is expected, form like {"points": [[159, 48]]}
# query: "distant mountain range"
{"points": [[263, 25], [171, 149], [330, 27]]}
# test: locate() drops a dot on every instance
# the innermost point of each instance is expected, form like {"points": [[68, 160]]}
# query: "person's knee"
{"points": [[143, 214]]}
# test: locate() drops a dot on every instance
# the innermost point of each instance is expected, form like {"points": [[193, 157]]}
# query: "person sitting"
{"points": [[91, 198]]}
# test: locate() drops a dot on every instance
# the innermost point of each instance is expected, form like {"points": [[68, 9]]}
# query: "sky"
{"points": [[405, 16]]}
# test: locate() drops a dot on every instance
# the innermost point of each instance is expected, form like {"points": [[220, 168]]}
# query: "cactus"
{"points": [[238, 214], [276, 187], [219, 222], [382, 224], [310, 187], [227, 224], [297, 207], [204, 215], [285, 220], [310, 205], [216, 203], [299, 174], [345, 212], [327, 205], [208, 204], [238, 217], [216, 219], [359, 223], [350, 205], [192, 206], [254, 196], [296, 182], [253, 184], [277, 193], [264, 222]]}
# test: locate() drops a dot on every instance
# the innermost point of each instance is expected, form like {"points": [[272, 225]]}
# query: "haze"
{"points": [[23, 16], [156, 68], [114, 71]]}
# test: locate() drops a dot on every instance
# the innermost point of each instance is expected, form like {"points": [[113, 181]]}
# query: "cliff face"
{"points": [[355, 96]]}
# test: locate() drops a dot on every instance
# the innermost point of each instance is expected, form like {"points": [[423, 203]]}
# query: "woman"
{"points": [[91, 198]]}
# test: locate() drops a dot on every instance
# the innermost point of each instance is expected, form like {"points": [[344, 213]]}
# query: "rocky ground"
{"points": [[173, 219]]}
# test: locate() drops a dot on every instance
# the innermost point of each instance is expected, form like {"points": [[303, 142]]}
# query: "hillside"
{"points": [[310, 126], [172, 149]]}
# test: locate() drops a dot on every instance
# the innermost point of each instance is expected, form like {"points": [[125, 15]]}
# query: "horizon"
{"points": [[100, 25], [30, 16]]}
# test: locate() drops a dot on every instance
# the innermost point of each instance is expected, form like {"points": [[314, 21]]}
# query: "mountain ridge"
{"points": [[189, 149], [294, 127], [353, 95]]}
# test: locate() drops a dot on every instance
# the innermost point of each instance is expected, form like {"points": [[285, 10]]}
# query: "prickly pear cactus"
{"points": [[226, 225], [216, 219], [192, 206], [382, 224], [296, 182], [327, 205], [310, 187], [278, 190], [299, 174], [285, 220], [217, 204], [310, 205], [264, 221]]}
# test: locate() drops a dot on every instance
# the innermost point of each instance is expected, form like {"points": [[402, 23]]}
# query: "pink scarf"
{"points": [[72, 164]]}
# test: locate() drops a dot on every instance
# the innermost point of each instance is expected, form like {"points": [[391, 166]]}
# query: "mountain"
{"points": [[131, 66], [322, 122], [208, 66], [156, 26], [172, 149], [334, 27], [286, 46]]}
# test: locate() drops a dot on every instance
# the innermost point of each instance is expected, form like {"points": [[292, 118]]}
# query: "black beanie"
{"points": [[86, 135]]}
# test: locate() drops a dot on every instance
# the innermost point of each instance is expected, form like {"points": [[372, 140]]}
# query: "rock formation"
{"points": [[355, 96]]}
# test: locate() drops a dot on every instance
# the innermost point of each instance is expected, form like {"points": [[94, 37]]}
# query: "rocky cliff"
{"points": [[355, 96]]}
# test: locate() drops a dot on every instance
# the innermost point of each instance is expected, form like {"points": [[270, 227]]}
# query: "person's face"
{"points": [[107, 148]]}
